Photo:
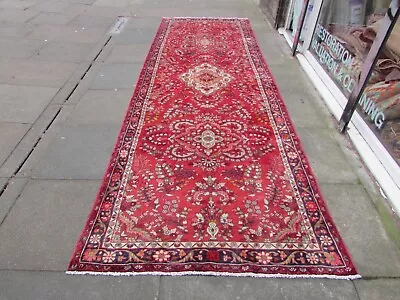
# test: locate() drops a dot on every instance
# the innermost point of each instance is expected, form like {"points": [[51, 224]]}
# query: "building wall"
{"points": [[275, 10]]}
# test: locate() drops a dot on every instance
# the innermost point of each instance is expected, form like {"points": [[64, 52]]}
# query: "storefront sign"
{"points": [[372, 110], [335, 57]]}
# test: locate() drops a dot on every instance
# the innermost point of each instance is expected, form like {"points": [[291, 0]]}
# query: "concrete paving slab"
{"points": [[46, 135], [116, 3], [10, 195], [208, 287], [289, 77], [73, 34], [273, 56], [64, 52], [381, 289], [199, 3], [273, 49], [12, 29], [50, 6], [19, 48], [326, 158], [30, 72], [53, 18], [185, 11], [10, 135], [303, 113], [229, 11], [44, 224], [92, 21], [97, 11], [359, 224], [58, 286], [135, 36], [25, 146], [17, 15], [85, 2], [143, 22], [128, 54], [23, 104], [78, 152], [116, 76], [110, 108], [265, 34], [176, 3], [16, 4]]}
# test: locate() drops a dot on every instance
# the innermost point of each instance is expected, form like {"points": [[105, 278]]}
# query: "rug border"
{"points": [[321, 200], [313, 184], [316, 188]]}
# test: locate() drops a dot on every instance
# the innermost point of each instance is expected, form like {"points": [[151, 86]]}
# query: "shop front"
{"points": [[351, 51]]}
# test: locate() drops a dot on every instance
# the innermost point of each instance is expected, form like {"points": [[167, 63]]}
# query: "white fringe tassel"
{"points": [[348, 277]]}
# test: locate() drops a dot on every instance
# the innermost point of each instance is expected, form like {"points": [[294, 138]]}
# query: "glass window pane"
{"points": [[343, 37], [380, 103]]}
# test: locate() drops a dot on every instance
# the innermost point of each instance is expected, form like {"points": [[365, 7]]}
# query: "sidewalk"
{"points": [[64, 87]]}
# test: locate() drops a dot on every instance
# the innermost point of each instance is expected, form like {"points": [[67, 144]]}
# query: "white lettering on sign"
{"points": [[337, 52], [335, 46], [373, 111]]}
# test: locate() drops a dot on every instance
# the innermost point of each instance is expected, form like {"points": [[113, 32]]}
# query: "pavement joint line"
{"points": [[4, 188], [58, 111], [30, 19], [371, 278], [101, 50], [36, 143], [72, 91], [159, 289], [61, 105], [355, 288], [15, 201], [19, 167]]}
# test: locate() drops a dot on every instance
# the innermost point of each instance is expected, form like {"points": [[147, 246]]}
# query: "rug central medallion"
{"points": [[207, 140], [206, 78], [208, 175]]}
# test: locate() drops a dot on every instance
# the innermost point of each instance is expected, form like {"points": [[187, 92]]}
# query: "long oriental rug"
{"points": [[208, 175]]}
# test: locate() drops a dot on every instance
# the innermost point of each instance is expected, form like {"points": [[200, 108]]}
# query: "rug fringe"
{"points": [[116, 274]]}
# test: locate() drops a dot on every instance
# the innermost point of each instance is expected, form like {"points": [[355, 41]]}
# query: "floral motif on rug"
{"points": [[208, 175]]}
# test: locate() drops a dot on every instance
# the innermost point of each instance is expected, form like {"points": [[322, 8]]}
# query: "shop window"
{"points": [[380, 103], [343, 37], [297, 6]]}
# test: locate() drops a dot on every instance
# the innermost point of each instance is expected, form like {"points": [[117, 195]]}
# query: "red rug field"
{"points": [[208, 175]]}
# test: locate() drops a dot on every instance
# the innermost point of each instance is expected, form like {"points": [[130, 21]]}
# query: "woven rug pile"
{"points": [[208, 175]]}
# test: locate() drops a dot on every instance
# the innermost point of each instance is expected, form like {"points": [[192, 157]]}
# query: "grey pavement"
{"points": [[64, 88]]}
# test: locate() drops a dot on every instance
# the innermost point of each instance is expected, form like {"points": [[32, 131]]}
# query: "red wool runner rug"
{"points": [[208, 175]]}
